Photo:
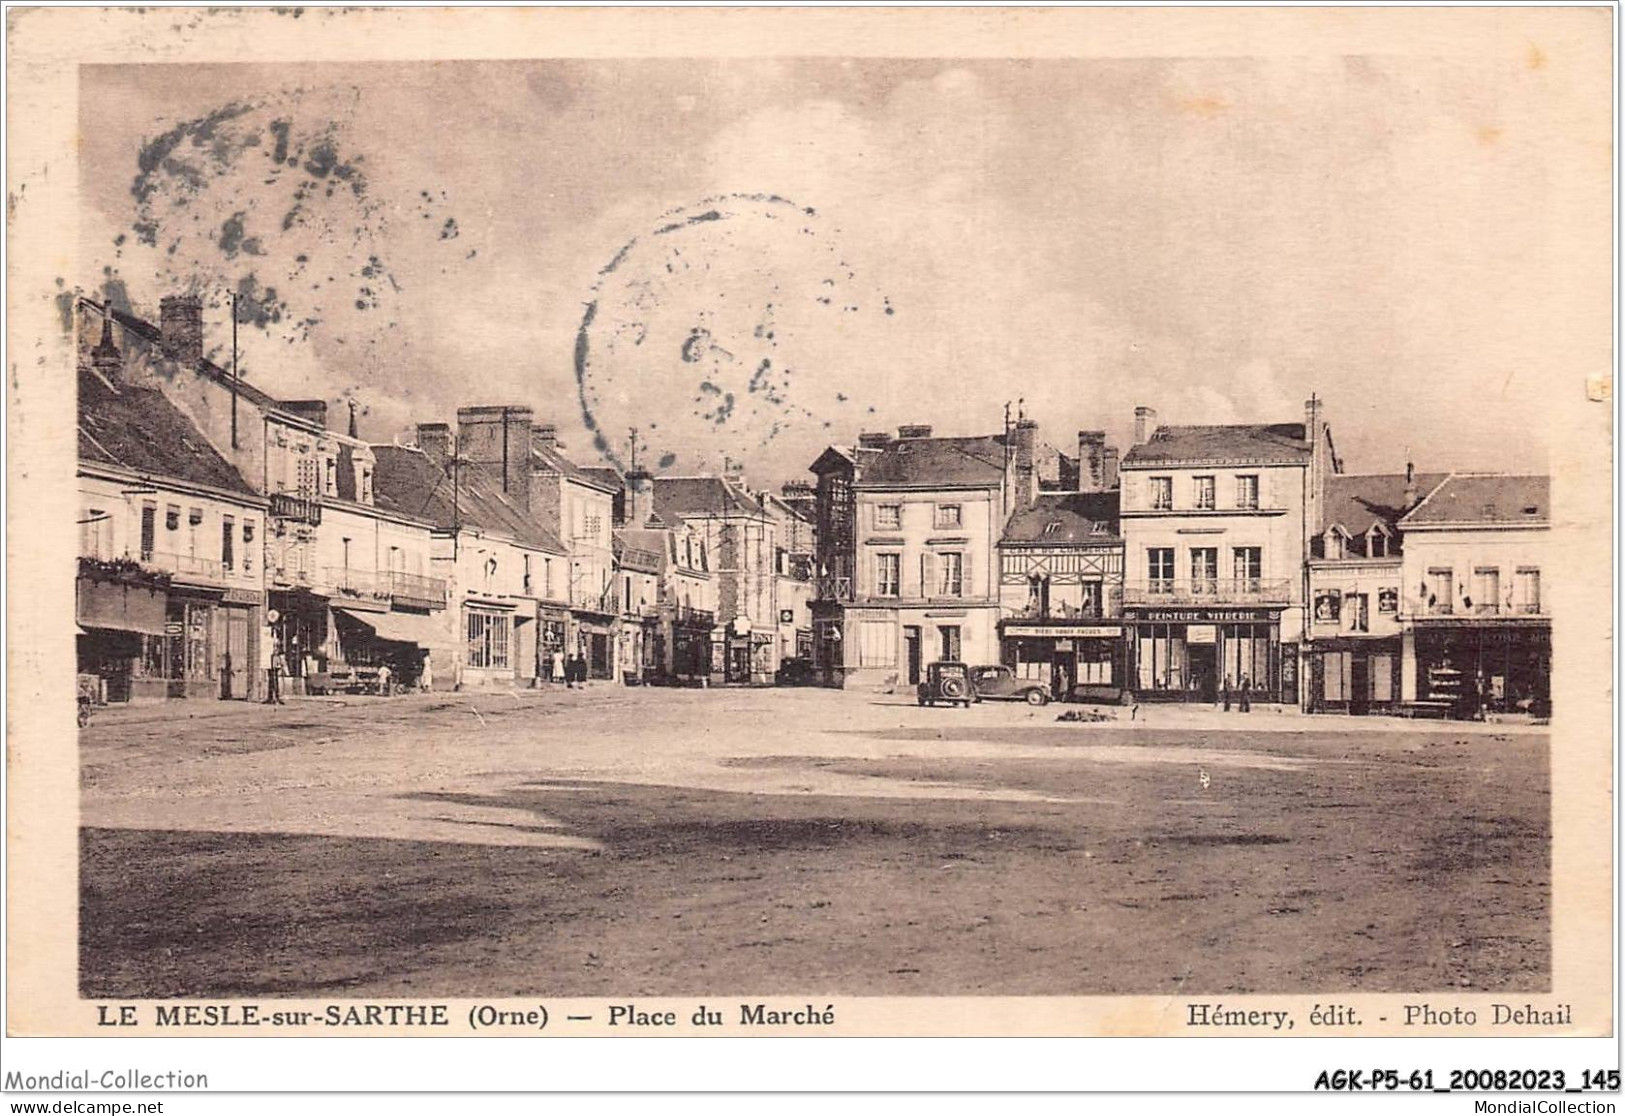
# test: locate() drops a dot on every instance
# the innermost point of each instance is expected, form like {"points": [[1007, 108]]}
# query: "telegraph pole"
{"points": [[232, 295]]}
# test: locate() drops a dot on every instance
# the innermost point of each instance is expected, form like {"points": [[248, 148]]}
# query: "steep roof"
{"points": [[139, 429], [548, 458], [154, 336], [1066, 519], [1485, 499], [1357, 502], [1244, 444], [679, 498], [639, 549], [406, 481], [604, 476], [932, 462]]}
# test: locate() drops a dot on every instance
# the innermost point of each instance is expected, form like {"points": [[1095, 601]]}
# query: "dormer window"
{"points": [[1376, 543], [1052, 526]]}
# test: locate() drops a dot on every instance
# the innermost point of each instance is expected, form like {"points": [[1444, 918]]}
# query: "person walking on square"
{"points": [[1224, 693], [1246, 694]]}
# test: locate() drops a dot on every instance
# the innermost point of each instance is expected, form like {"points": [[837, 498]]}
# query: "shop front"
{"points": [[552, 627], [1194, 654], [1354, 674], [369, 641], [1492, 666], [301, 630], [690, 652], [118, 614], [1081, 662], [595, 643]]}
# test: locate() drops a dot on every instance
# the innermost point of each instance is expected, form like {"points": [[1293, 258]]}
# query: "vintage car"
{"points": [[945, 683], [999, 683]]}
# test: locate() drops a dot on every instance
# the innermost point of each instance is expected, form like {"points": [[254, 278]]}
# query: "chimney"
{"points": [[1410, 486], [1311, 421], [1145, 424], [499, 439], [105, 357], [1108, 469], [875, 440], [1091, 460], [1026, 490], [180, 327], [913, 432], [313, 411], [434, 439], [546, 435], [641, 484]]}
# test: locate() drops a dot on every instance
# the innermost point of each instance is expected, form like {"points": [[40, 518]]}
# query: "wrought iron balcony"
{"points": [[1210, 591], [416, 590], [187, 567], [367, 585], [297, 508], [829, 587]]}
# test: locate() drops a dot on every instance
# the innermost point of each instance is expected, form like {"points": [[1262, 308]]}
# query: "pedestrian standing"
{"points": [[558, 665], [426, 675], [1224, 693], [1246, 694], [383, 680], [273, 693]]}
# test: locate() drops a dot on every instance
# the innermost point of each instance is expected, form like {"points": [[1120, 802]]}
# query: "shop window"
{"points": [[888, 516], [952, 580], [1527, 588], [887, 575], [1095, 662], [1382, 678], [1159, 562], [488, 640], [1247, 492], [1338, 668], [1161, 657], [1204, 493], [877, 643], [1162, 493]]}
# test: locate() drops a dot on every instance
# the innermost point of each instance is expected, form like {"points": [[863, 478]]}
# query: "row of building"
{"points": [[223, 530], [220, 527], [1204, 559]]}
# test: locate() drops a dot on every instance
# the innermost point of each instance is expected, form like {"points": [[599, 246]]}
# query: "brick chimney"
{"points": [[180, 327], [877, 439], [1145, 424], [545, 435], [1091, 460], [1026, 487], [1410, 486], [913, 432], [1108, 470], [499, 438], [434, 439], [105, 358], [641, 497]]}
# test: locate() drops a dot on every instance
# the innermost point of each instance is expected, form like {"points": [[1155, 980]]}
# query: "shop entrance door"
{"points": [[1359, 685], [911, 646], [235, 673], [1204, 685]]}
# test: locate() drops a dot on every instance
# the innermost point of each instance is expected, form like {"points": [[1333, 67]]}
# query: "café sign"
{"points": [[1063, 631]]}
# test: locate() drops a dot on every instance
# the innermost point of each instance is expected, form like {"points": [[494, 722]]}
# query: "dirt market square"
{"points": [[660, 842]]}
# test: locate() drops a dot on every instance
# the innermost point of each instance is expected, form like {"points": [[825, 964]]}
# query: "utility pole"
{"points": [[233, 296]]}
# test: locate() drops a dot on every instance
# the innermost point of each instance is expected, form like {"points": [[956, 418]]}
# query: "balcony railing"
{"points": [[417, 590], [187, 567], [299, 509], [829, 587], [366, 585], [1246, 590], [696, 617], [1059, 612]]}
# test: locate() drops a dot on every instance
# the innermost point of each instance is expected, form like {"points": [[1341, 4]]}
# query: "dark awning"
{"points": [[121, 606], [397, 627]]}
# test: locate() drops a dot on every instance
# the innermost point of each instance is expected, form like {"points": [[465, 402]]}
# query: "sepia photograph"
{"points": [[1123, 532]]}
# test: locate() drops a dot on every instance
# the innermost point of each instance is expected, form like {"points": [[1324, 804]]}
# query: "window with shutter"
{"points": [[928, 575], [149, 526]]}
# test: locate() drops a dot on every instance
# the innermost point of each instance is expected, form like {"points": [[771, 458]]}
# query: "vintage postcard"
{"points": [[810, 522]]}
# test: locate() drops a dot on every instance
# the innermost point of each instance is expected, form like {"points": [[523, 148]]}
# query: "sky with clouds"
{"points": [[753, 259]]}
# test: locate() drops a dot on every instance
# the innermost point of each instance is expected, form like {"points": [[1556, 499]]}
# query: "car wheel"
{"points": [[1037, 697]]}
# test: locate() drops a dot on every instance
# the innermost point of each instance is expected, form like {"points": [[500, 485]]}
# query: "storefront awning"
{"points": [[397, 627], [121, 606]]}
